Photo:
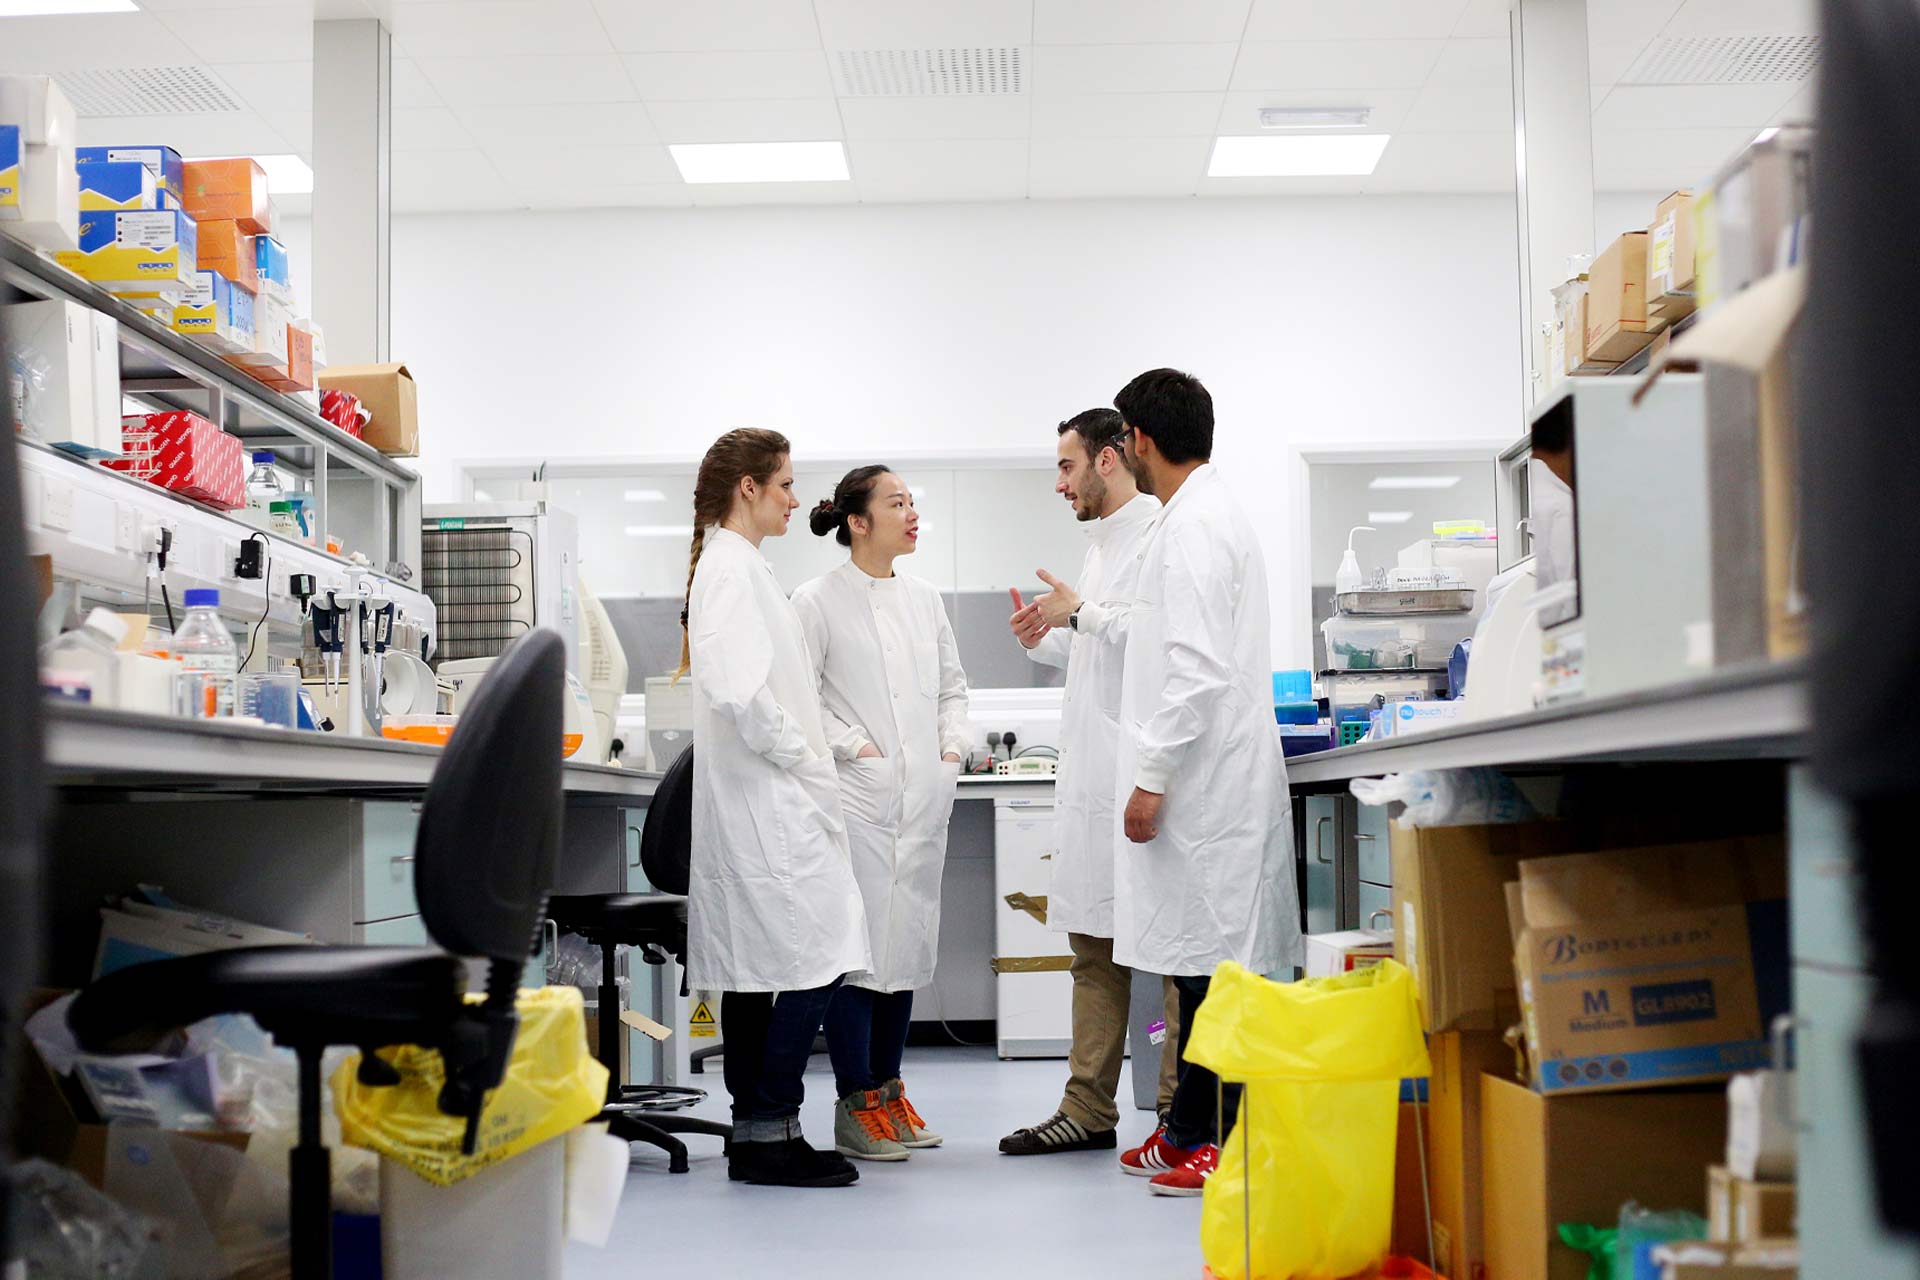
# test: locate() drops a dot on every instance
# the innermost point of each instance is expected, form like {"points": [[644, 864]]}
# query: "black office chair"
{"points": [[656, 923], [489, 837]]}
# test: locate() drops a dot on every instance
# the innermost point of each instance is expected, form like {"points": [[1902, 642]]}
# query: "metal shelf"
{"points": [[166, 369], [1751, 713], [120, 750]]}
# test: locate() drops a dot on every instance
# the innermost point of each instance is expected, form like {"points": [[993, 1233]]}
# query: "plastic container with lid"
{"points": [[263, 488], [433, 730], [281, 520], [209, 659], [1358, 643], [90, 651]]}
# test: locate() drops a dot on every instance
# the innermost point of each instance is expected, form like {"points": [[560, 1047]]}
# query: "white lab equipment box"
{"points": [[1033, 988], [106, 387], [53, 341], [496, 570]]}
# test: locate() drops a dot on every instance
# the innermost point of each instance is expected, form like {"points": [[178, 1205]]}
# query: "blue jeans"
{"points": [[1204, 1108], [867, 1037], [769, 1038]]}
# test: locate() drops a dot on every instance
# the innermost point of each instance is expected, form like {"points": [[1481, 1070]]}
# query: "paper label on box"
{"points": [[150, 230], [1660, 258], [1408, 935]]}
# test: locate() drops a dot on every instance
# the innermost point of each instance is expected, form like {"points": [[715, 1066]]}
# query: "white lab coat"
{"points": [[1217, 883], [1550, 525], [772, 903], [889, 670], [1080, 898]]}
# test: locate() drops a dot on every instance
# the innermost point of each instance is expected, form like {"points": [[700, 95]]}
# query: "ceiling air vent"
{"points": [[1726, 60], [147, 91], [930, 73]]}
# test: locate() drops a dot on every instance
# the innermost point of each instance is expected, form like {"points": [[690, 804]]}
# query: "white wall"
{"points": [[931, 329]]}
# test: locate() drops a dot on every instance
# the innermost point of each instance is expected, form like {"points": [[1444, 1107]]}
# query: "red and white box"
{"points": [[187, 454], [1329, 954], [344, 410]]}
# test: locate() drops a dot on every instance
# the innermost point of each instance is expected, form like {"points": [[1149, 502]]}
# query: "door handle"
{"points": [[1319, 845], [1376, 915], [405, 857], [1361, 835]]}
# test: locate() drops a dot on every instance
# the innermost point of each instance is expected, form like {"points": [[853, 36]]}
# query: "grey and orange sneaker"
{"points": [[863, 1128], [910, 1130]]}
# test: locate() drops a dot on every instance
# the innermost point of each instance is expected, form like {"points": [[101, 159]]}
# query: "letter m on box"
{"points": [[1595, 1002]]}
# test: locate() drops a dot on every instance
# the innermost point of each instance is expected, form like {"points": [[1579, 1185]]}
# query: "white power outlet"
{"points": [[56, 506], [126, 528]]}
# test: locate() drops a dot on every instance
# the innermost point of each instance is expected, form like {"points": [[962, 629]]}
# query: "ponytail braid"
{"points": [[743, 453]]}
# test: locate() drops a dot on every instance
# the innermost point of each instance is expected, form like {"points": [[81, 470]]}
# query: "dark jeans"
{"points": [[769, 1038], [867, 1037], [1202, 1110]]}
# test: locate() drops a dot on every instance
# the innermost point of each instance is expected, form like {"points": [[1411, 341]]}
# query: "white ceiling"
{"points": [[571, 103]]}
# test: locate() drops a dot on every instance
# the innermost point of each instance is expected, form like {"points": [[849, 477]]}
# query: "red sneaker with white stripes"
{"points": [[1190, 1179], [1155, 1156]]}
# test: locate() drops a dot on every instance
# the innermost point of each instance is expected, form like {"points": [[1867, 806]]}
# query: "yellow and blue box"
{"points": [[275, 268], [217, 314], [112, 187], [140, 248], [164, 163], [9, 171]]}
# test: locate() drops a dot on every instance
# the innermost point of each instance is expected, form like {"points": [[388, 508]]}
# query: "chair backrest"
{"points": [[489, 836], [666, 841]]}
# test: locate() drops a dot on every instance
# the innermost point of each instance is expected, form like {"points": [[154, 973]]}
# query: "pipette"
{"points": [[327, 638], [381, 612]]}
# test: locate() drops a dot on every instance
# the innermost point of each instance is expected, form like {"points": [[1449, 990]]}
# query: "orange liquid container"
{"points": [[431, 730]]}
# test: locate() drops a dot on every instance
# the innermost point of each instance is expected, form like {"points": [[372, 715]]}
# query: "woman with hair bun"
{"points": [[895, 703], [774, 919]]}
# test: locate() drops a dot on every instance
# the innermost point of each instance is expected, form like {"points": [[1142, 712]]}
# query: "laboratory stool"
{"points": [[484, 860]]}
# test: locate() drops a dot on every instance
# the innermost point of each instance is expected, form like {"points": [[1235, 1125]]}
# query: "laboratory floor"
{"points": [[962, 1210]]}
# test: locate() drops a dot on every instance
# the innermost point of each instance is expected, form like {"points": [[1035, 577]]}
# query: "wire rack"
{"points": [[481, 585]]}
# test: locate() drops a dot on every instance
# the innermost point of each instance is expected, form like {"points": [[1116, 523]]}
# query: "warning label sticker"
{"points": [[700, 1024]]}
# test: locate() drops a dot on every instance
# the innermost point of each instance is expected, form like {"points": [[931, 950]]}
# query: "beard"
{"points": [[1093, 499], [1141, 479]]}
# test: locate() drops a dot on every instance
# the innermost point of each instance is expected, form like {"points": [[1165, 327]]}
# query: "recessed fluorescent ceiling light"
{"points": [[1389, 517], [1765, 135], [644, 495], [705, 162], [286, 175], [1414, 482], [40, 8], [659, 531], [1314, 117], [1309, 156]]}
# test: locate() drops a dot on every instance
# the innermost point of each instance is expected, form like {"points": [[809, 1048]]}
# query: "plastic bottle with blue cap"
{"points": [[209, 659]]}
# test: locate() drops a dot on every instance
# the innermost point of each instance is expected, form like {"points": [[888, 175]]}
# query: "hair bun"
{"points": [[824, 518]]}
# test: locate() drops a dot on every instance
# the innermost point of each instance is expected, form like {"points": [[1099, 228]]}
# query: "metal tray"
{"points": [[1387, 604]]}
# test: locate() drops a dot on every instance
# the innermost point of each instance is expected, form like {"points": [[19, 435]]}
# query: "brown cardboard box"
{"points": [[1453, 1115], [1729, 1260], [297, 373], [1630, 882], [387, 390], [1409, 1195], [233, 189], [225, 248], [1617, 324], [1449, 897], [1670, 258], [1745, 1211], [1578, 1159], [1581, 362]]}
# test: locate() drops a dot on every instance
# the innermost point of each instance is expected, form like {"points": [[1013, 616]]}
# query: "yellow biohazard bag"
{"points": [[552, 1084], [1304, 1190]]}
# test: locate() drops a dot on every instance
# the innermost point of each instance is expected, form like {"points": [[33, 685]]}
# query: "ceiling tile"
{"points": [[410, 88], [939, 170], [1354, 19], [668, 26], [719, 77], [1484, 18], [986, 116], [75, 43], [1697, 106], [1382, 64], [1802, 108], [429, 129], [228, 133], [923, 24], [1645, 159], [1127, 115], [296, 127], [604, 124], [651, 195], [1282, 186], [532, 168], [477, 28], [251, 35], [1132, 68], [1067, 168], [449, 181], [1473, 62], [713, 194], [162, 6], [1445, 162], [1388, 109], [1608, 61], [1462, 108], [505, 81], [1745, 17], [1139, 21], [803, 120], [270, 86]]}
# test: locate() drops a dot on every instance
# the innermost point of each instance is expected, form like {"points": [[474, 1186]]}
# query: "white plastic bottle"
{"points": [[1348, 577], [263, 490], [205, 647], [90, 651]]}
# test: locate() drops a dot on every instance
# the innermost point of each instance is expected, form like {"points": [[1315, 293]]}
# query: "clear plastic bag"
{"points": [[63, 1229], [1641, 1229], [1448, 797]]}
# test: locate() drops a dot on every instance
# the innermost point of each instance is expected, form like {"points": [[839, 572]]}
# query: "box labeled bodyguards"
{"points": [[388, 392], [112, 187], [9, 172], [1617, 326], [138, 248], [212, 314], [163, 163], [233, 190]]}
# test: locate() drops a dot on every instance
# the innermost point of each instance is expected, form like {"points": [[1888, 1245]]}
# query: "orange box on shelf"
{"points": [[233, 190], [297, 373], [227, 247]]}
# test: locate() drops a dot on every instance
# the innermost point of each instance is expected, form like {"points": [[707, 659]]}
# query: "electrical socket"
{"points": [[56, 506], [126, 528]]}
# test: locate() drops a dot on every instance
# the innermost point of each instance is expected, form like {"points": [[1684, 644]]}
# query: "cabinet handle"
{"points": [[1361, 835], [634, 861], [1376, 915], [405, 857], [1319, 829]]}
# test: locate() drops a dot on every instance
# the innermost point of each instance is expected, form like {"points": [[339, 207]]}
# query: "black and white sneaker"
{"points": [[1056, 1136]]}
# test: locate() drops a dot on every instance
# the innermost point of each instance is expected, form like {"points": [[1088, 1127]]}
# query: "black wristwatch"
{"points": [[1073, 619]]}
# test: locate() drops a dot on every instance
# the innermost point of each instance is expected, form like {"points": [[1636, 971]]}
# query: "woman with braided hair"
{"points": [[774, 917]]}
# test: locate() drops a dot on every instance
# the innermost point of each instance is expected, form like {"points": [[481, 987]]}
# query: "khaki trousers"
{"points": [[1102, 1000]]}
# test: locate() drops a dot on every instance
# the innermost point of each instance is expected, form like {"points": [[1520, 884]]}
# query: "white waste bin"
{"points": [[507, 1222]]}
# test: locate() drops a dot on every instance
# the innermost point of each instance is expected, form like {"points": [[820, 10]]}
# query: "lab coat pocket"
{"points": [[821, 785], [866, 788], [926, 663]]}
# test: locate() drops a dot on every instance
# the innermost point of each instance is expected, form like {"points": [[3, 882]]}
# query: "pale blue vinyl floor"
{"points": [[962, 1210]]}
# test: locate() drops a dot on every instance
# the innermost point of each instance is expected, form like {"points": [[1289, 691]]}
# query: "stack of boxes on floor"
{"points": [[1585, 1011]]}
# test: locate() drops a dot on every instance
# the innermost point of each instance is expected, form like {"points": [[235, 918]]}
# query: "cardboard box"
{"points": [[1728, 1260], [1456, 1188], [1744, 1211], [297, 373], [1409, 1192], [273, 270], [225, 247], [388, 391], [1578, 1159], [1670, 258], [1449, 896], [47, 212], [270, 321], [1617, 327], [113, 187], [1332, 953], [41, 109], [135, 249], [163, 163], [1653, 966], [9, 172], [216, 314], [235, 189], [1409, 718], [185, 453]]}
